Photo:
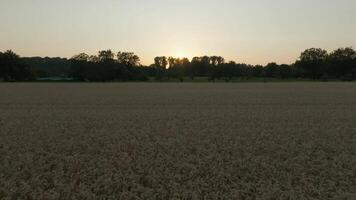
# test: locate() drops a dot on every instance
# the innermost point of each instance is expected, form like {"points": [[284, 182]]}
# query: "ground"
{"points": [[178, 140]]}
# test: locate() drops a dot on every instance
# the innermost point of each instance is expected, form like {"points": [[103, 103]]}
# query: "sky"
{"points": [[246, 31]]}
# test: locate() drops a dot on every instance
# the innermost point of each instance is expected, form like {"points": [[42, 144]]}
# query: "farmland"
{"points": [[177, 141]]}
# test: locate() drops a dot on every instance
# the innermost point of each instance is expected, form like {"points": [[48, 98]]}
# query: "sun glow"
{"points": [[182, 54]]}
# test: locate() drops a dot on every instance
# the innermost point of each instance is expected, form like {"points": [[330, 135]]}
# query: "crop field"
{"points": [[178, 141]]}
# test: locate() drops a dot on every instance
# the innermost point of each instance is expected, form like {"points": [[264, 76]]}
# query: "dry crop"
{"points": [[178, 141]]}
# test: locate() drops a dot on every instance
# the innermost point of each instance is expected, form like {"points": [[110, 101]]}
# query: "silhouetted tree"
{"points": [[48, 67], [228, 70], [106, 56], [195, 63], [258, 71], [81, 57], [342, 63], [94, 59], [80, 65], [184, 68], [312, 62], [104, 68], [2, 67], [285, 71], [161, 66], [177, 67], [215, 68], [128, 58], [205, 65], [13, 69], [171, 62], [271, 70]]}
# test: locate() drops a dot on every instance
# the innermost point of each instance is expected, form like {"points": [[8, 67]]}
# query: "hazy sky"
{"points": [[251, 31]]}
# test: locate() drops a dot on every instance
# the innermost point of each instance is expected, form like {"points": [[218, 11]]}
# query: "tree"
{"points": [[214, 60], [205, 65], [177, 67], [13, 69], [285, 71], [190, 71], [342, 63], [171, 62], [161, 62], [2, 60], [81, 57], [94, 59], [220, 60], [161, 66], [201, 65], [106, 55], [258, 71], [79, 66], [104, 68], [128, 58], [184, 68], [312, 62], [194, 68], [48, 67], [216, 67], [228, 70], [271, 70]]}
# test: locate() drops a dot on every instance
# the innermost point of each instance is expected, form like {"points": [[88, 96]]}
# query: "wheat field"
{"points": [[178, 141]]}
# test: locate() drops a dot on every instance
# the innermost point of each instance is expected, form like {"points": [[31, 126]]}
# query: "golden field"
{"points": [[178, 141]]}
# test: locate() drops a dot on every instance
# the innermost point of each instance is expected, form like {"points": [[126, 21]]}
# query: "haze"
{"points": [[250, 31]]}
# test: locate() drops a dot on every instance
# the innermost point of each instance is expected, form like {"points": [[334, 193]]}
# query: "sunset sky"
{"points": [[250, 31]]}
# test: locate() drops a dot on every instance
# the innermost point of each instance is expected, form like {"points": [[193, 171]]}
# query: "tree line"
{"points": [[313, 63]]}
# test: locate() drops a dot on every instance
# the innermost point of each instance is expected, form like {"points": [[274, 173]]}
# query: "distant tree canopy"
{"points": [[313, 63], [341, 63], [48, 67], [104, 67], [128, 59], [13, 69]]}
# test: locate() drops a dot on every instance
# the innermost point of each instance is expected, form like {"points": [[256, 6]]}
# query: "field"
{"points": [[178, 141]]}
